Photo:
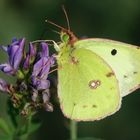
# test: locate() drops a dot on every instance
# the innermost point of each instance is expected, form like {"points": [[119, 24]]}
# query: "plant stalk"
{"points": [[73, 130]]}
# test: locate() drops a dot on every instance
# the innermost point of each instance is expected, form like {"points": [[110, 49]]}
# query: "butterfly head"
{"points": [[68, 37]]}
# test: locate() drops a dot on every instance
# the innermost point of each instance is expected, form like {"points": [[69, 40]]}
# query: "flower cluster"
{"points": [[31, 68]]}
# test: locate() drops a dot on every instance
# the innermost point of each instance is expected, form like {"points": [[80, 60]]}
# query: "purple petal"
{"points": [[43, 84], [3, 86], [15, 51], [40, 83], [11, 52], [34, 80], [45, 50], [26, 62], [19, 54], [6, 68], [32, 50], [29, 56], [39, 65], [45, 70]]}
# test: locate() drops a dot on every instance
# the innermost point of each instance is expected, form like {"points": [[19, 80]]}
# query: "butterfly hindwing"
{"points": [[123, 58]]}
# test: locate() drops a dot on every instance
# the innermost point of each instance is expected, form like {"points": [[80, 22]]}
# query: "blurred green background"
{"points": [[113, 19]]}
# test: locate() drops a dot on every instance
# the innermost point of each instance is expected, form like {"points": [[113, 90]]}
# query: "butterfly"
{"points": [[94, 74]]}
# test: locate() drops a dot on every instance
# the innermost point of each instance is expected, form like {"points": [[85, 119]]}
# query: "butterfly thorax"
{"points": [[65, 53], [66, 48]]}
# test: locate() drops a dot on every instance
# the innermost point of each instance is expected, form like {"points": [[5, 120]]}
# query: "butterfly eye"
{"points": [[65, 37], [114, 52]]}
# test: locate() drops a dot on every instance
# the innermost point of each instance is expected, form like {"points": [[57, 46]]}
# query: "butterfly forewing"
{"points": [[87, 88]]}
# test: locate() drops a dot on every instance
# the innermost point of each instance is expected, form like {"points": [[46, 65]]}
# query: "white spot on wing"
{"points": [[94, 84]]}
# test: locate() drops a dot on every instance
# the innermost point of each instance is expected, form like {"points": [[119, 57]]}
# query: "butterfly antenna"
{"points": [[66, 15], [52, 23]]}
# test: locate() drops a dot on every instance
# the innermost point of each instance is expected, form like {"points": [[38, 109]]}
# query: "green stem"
{"points": [[73, 130]]}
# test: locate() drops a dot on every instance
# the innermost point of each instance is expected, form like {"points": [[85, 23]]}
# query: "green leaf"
{"points": [[6, 137], [27, 131], [32, 127], [5, 127]]}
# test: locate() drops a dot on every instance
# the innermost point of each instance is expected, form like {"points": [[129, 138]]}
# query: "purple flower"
{"points": [[41, 69], [4, 86], [15, 52], [40, 73], [30, 56]]}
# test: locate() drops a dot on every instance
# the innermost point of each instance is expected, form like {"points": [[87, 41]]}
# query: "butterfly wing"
{"points": [[85, 90], [123, 58]]}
